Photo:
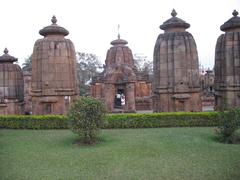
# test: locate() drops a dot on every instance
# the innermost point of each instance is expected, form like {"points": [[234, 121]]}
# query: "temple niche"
{"points": [[54, 79], [227, 64], [119, 85], [11, 85], [176, 84]]}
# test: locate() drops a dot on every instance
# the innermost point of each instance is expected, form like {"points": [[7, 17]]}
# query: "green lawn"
{"points": [[165, 153]]}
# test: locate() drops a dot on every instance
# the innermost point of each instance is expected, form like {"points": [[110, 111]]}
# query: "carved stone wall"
{"points": [[176, 73], [227, 64], [54, 79]]}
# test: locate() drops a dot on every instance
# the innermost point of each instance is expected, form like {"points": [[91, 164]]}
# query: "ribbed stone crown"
{"points": [[232, 23], [6, 57], [174, 22], [53, 29]]}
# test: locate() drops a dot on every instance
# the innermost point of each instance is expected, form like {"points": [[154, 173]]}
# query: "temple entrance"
{"points": [[180, 105], [119, 97]]}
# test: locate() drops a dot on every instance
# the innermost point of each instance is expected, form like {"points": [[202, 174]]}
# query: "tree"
{"points": [[88, 66], [86, 118], [143, 64], [27, 65]]}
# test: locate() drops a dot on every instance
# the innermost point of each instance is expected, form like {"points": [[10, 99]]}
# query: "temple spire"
{"points": [[118, 31], [235, 13], [54, 19], [174, 13], [5, 51]]}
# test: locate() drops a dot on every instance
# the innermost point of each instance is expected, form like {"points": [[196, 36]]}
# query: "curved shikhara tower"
{"points": [[54, 78], [119, 75], [176, 72], [11, 85], [227, 64]]}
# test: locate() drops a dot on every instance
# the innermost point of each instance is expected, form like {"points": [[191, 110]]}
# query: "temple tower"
{"points": [[227, 64], [176, 73], [11, 85], [119, 76], [54, 79]]}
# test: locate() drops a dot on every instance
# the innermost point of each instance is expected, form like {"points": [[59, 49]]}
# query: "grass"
{"points": [[166, 153]]}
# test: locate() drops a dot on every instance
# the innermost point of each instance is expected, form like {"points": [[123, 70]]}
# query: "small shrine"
{"points": [[54, 80], [227, 64], [11, 85], [119, 85], [176, 84]]}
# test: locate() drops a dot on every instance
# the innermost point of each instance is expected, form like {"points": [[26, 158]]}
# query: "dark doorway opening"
{"points": [[47, 108], [118, 97]]}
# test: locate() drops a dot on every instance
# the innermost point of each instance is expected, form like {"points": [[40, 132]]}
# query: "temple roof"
{"points": [[6, 57], [53, 29], [174, 22], [232, 23], [119, 42]]}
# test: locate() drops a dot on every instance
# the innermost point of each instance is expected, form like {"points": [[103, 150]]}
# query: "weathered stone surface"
{"points": [[27, 78], [11, 85], [227, 64], [176, 72], [53, 71], [119, 77]]}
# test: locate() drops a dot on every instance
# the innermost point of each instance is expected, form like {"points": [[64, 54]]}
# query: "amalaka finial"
{"points": [[235, 13], [54, 19], [174, 13], [118, 31], [5, 51]]}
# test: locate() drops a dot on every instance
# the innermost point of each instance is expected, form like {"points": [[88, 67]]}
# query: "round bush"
{"points": [[86, 118]]}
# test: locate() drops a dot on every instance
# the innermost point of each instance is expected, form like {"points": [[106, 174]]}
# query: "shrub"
{"points": [[86, 118], [227, 132]]}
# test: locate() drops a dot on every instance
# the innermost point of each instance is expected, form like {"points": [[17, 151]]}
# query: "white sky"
{"points": [[93, 23]]}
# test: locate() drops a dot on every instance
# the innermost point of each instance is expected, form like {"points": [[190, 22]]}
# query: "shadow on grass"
{"points": [[73, 140]]}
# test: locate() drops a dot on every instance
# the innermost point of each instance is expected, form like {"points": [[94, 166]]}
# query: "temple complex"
{"points": [[227, 64], [119, 85], [54, 79], [176, 84], [11, 85]]}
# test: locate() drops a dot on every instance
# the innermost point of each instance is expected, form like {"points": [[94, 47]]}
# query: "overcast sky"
{"points": [[93, 23]]}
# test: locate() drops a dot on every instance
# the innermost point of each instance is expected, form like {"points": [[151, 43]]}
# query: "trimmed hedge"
{"points": [[154, 120], [33, 122]]}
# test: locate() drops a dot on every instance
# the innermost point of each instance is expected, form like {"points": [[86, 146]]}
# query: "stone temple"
{"points": [[11, 85], [176, 72], [227, 64], [120, 78], [54, 79]]}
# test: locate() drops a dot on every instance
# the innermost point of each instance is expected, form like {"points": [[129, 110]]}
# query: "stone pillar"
{"points": [[130, 98], [109, 96]]}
